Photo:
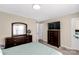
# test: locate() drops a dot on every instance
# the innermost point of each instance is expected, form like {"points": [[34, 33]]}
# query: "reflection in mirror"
{"points": [[19, 29]]}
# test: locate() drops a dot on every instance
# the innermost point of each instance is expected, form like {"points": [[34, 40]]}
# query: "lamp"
{"points": [[36, 6], [28, 32]]}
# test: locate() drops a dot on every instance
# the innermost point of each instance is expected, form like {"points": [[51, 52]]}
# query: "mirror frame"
{"points": [[18, 23]]}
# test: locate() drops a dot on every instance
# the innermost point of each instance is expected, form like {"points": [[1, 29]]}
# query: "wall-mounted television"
{"points": [[54, 25]]}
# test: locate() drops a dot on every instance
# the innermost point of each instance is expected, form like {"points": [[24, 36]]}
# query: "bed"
{"points": [[31, 49]]}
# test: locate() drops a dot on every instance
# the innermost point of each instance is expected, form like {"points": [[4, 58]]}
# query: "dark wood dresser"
{"points": [[14, 41], [54, 37]]}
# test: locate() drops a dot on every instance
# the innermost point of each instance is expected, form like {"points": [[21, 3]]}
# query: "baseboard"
{"points": [[42, 41], [69, 48], [66, 47]]}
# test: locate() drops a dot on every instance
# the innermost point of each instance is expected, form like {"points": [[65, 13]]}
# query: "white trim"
{"points": [[66, 47], [69, 48]]}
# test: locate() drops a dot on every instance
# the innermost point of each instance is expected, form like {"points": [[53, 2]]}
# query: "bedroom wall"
{"points": [[5, 25], [65, 36]]}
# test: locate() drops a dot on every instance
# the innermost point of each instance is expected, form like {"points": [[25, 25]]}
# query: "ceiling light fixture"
{"points": [[36, 6]]}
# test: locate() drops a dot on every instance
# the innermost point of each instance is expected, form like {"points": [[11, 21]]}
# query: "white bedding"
{"points": [[31, 49]]}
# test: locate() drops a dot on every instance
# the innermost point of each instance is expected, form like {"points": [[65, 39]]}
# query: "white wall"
{"points": [[5, 25]]}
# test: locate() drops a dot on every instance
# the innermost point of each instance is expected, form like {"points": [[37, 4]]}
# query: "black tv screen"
{"points": [[54, 25], [50, 26]]}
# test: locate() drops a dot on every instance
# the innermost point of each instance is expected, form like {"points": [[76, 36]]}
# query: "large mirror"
{"points": [[19, 28]]}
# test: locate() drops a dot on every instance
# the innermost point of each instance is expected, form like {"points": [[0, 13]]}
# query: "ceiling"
{"points": [[47, 11]]}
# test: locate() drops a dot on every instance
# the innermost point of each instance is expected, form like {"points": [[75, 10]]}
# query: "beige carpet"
{"points": [[64, 51]]}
